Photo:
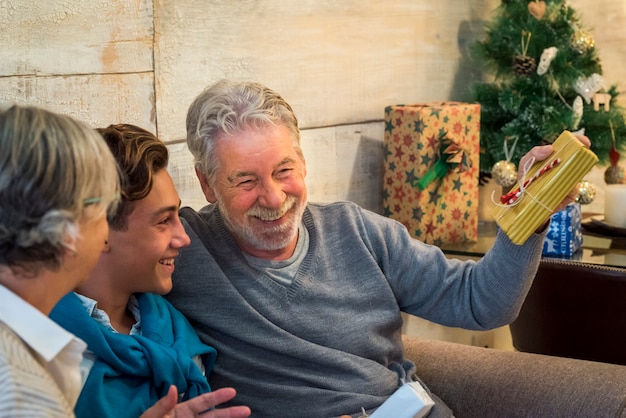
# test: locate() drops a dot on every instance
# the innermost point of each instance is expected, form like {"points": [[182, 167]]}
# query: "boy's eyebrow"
{"points": [[166, 209]]}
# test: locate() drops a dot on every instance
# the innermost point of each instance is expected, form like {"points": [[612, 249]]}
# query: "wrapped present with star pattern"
{"points": [[431, 170]]}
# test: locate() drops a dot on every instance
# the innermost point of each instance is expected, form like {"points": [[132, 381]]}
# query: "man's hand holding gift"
{"points": [[540, 153]]}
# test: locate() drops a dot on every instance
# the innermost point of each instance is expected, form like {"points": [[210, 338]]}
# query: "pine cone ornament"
{"points": [[523, 65]]}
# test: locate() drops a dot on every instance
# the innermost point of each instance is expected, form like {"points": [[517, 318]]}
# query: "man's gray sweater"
{"points": [[330, 342]]}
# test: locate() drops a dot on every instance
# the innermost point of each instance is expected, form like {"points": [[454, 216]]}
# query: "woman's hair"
{"points": [[52, 167], [226, 107], [139, 155]]}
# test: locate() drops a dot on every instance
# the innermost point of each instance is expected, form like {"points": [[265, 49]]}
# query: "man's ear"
{"points": [[206, 189]]}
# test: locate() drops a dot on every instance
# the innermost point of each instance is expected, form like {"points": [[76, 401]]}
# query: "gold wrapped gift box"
{"points": [[547, 184]]}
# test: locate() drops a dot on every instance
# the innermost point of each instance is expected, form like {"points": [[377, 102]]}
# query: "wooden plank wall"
{"points": [[91, 60], [339, 63]]}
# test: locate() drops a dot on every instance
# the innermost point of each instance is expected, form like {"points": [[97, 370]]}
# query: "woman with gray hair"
{"points": [[57, 181]]}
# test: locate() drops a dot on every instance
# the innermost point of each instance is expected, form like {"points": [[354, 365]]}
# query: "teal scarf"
{"points": [[132, 372]]}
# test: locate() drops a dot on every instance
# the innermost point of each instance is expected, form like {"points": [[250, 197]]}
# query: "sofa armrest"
{"points": [[484, 382]]}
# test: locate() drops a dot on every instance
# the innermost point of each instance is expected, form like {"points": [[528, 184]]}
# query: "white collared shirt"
{"points": [[58, 351]]}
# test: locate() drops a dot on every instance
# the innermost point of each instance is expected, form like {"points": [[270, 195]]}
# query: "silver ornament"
{"points": [[586, 192], [589, 86], [504, 173], [577, 112], [547, 56]]}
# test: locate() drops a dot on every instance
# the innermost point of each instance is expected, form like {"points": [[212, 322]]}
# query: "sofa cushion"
{"points": [[483, 382]]}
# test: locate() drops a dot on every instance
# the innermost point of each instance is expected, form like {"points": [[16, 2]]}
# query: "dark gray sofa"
{"points": [[484, 382]]}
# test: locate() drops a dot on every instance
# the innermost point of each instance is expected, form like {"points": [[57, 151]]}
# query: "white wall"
{"points": [[339, 63]]}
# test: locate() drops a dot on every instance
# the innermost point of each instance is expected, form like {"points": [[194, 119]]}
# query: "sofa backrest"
{"points": [[575, 310]]}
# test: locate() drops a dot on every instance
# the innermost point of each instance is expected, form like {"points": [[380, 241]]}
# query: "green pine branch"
{"points": [[532, 109]]}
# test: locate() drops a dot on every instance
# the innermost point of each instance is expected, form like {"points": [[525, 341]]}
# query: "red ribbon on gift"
{"points": [[512, 196]]}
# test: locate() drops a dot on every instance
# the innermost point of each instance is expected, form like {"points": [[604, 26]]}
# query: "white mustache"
{"points": [[267, 214]]}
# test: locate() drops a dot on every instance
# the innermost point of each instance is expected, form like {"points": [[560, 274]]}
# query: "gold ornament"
{"points": [[504, 173], [586, 192], [582, 41]]}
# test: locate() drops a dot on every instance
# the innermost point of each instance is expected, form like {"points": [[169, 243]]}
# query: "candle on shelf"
{"points": [[615, 205], [613, 259]]}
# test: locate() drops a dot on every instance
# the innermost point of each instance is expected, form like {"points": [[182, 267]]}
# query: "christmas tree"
{"points": [[546, 78]]}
